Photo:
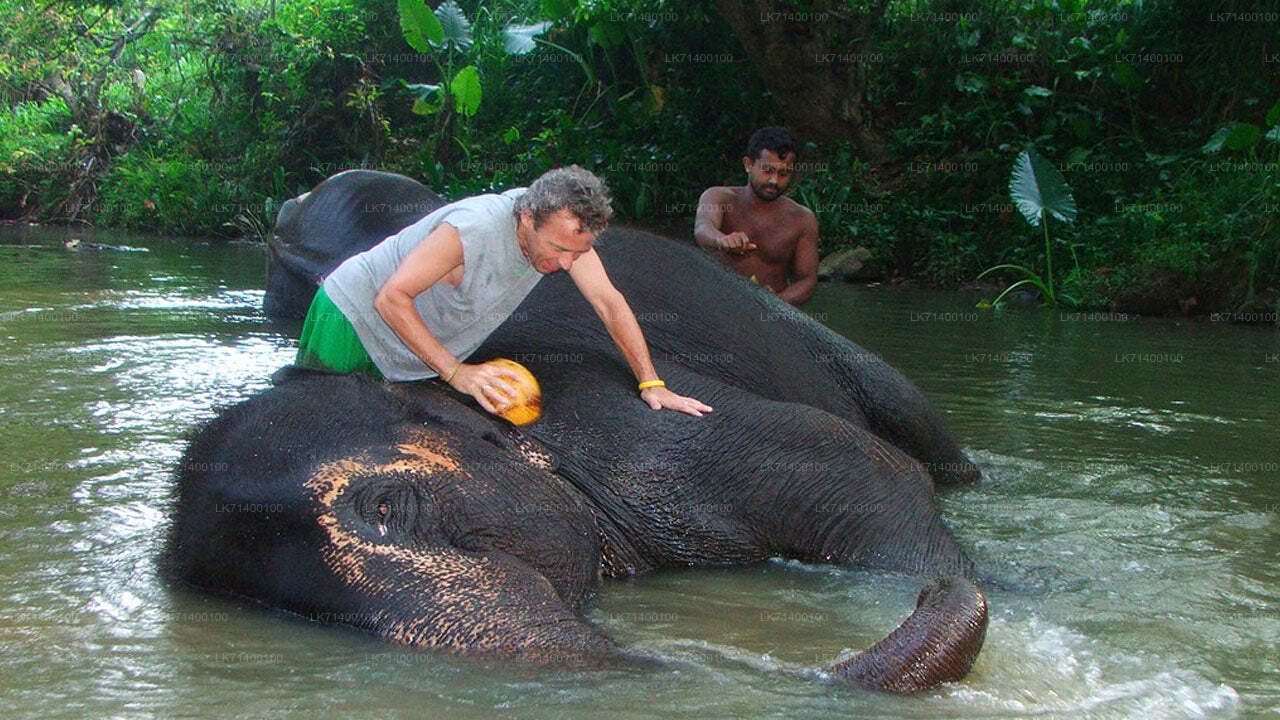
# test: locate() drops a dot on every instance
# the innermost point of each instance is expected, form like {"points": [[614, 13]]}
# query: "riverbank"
{"points": [[1163, 118], [89, 239], [1171, 294]]}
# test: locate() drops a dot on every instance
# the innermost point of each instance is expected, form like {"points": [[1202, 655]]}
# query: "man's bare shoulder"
{"points": [[798, 213], [719, 193], [791, 207], [717, 201]]}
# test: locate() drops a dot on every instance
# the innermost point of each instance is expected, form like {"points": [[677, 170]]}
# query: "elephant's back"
{"points": [[697, 314]]}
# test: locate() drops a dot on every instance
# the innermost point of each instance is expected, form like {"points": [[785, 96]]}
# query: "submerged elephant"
{"points": [[405, 510]]}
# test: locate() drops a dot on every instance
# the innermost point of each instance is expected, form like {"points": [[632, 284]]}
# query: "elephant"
{"points": [[404, 510], [302, 250]]}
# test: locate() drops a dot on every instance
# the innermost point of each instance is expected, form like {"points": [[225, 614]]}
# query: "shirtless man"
{"points": [[758, 231]]}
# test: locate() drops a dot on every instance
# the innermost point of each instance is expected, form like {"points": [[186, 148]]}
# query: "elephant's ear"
{"points": [[440, 597], [447, 600]]}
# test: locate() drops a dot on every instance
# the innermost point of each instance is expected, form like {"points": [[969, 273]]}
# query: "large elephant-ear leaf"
{"points": [[465, 88], [1038, 189], [518, 39], [457, 29], [427, 98], [421, 28]]}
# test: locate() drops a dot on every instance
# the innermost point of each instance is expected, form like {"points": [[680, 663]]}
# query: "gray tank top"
{"points": [[495, 280]]}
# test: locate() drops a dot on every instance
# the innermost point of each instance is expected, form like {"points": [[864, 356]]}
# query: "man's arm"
{"points": [[589, 275], [804, 263], [439, 253], [710, 218]]}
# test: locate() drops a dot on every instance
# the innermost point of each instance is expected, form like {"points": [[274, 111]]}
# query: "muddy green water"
{"points": [[1137, 458]]}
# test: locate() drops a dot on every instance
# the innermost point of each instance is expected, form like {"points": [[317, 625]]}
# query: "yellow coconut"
{"points": [[526, 406]]}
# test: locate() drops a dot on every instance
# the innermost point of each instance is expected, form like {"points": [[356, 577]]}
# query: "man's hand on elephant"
{"points": [[660, 398], [487, 384]]}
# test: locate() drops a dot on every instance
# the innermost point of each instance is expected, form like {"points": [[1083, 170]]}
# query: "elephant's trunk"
{"points": [[937, 644]]}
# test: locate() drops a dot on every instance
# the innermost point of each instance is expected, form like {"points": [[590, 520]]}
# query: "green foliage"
{"points": [[449, 31], [520, 39], [1039, 191], [457, 29], [1165, 126], [34, 142], [1233, 136], [170, 195], [1126, 95], [422, 29], [1245, 137], [596, 89], [465, 89]]}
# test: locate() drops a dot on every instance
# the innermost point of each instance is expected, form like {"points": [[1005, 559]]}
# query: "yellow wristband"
{"points": [[452, 372], [651, 383]]}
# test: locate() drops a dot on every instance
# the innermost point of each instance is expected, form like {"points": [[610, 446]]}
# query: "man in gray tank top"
{"points": [[420, 302]]}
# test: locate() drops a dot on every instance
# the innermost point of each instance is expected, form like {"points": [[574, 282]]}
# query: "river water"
{"points": [[1130, 467]]}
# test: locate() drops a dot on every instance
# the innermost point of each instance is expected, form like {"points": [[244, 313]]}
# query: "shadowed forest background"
{"points": [[199, 117]]}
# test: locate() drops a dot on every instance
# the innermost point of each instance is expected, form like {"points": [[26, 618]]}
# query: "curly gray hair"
{"points": [[573, 188]]}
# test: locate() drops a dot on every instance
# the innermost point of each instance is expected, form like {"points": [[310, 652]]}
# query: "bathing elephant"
{"points": [[302, 249], [405, 510]]}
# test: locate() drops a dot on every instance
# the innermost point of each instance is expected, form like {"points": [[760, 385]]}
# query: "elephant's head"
{"points": [[403, 513], [434, 530]]}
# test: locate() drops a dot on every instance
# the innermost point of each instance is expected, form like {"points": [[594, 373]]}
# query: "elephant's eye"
{"points": [[383, 511]]}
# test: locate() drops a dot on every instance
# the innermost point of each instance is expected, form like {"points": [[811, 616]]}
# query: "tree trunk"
{"points": [[818, 82]]}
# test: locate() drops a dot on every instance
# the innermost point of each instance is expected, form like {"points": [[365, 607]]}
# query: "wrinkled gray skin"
{"points": [[304, 248], [412, 514]]}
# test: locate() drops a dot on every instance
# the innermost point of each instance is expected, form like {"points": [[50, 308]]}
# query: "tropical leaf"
{"points": [[1233, 136], [1243, 136], [421, 28], [1125, 76], [422, 91], [1039, 190], [518, 39], [457, 29], [465, 88], [428, 99], [970, 83], [426, 107], [608, 34], [1046, 292], [558, 9], [1007, 266], [1216, 140]]}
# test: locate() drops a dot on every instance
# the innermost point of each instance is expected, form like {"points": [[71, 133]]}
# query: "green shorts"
{"points": [[328, 341]]}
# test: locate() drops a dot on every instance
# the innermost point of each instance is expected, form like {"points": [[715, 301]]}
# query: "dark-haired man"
{"points": [[758, 231]]}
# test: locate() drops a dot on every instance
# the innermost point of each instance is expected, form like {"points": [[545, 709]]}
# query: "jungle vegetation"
{"points": [[198, 117]]}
